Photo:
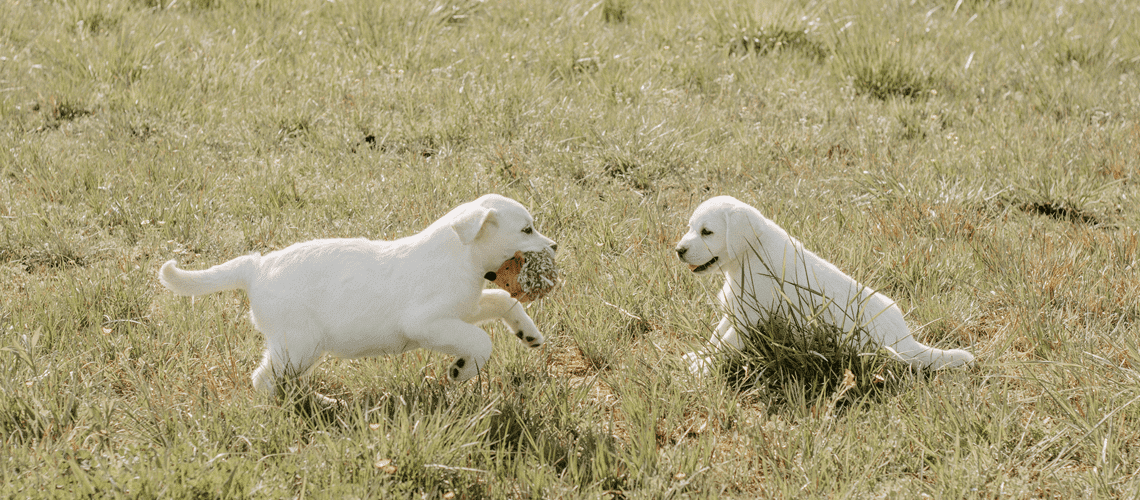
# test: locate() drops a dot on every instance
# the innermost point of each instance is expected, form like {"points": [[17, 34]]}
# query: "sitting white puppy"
{"points": [[766, 269], [354, 297]]}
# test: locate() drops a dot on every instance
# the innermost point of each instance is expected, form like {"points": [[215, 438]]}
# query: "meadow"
{"points": [[976, 160]]}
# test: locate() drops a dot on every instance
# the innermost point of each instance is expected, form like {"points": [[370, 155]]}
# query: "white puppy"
{"points": [[354, 297], [761, 261]]}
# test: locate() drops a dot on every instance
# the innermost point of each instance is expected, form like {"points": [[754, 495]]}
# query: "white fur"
{"points": [[354, 297], [759, 259]]}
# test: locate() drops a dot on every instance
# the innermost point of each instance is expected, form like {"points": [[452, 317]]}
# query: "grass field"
{"points": [[976, 160]]}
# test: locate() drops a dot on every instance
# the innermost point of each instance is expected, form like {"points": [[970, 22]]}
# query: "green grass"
{"points": [[975, 160]]}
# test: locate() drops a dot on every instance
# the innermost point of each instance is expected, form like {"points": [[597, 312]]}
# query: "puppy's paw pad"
{"points": [[454, 374]]}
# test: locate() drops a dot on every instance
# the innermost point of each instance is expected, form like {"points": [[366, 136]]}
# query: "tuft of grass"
{"points": [[884, 76], [776, 39], [1070, 52], [790, 362], [883, 67], [615, 11], [1065, 197], [1060, 210], [59, 111]]}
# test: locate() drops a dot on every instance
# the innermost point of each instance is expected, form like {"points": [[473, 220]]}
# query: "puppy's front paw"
{"points": [[527, 332], [531, 338], [699, 364]]}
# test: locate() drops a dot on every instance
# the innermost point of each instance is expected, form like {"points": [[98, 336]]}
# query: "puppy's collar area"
{"points": [[705, 266], [490, 276]]}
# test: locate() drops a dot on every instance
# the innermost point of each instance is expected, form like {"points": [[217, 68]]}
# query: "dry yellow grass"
{"points": [[976, 160]]}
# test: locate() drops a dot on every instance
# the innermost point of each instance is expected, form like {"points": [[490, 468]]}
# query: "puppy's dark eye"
{"points": [[528, 230], [705, 232]]}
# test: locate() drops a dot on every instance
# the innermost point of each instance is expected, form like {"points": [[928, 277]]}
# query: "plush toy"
{"points": [[527, 276]]}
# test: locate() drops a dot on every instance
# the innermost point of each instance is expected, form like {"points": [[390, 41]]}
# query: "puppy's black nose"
{"points": [[554, 246], [681, 251]]}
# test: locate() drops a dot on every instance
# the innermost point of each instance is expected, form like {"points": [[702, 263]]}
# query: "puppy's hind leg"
{"points": [[498, 304], [470, 345], [920, 356], [890, 332], [279, 366], [265, 376]]}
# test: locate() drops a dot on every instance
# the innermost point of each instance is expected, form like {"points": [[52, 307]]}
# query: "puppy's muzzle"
{"points": [[703, 267], [681, 251]]}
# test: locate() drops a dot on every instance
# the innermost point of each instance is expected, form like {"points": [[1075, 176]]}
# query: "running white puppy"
{"points": [[354, 298], [759, 259]]}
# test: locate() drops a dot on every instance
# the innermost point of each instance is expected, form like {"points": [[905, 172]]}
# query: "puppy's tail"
{"points": [[232, 275]]}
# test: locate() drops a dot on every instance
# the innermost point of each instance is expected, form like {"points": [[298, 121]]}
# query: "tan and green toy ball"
{"points": [[527, 276]]}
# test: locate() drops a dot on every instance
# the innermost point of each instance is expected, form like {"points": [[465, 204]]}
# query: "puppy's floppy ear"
{"points": [[470, 222], [739, 232]]}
